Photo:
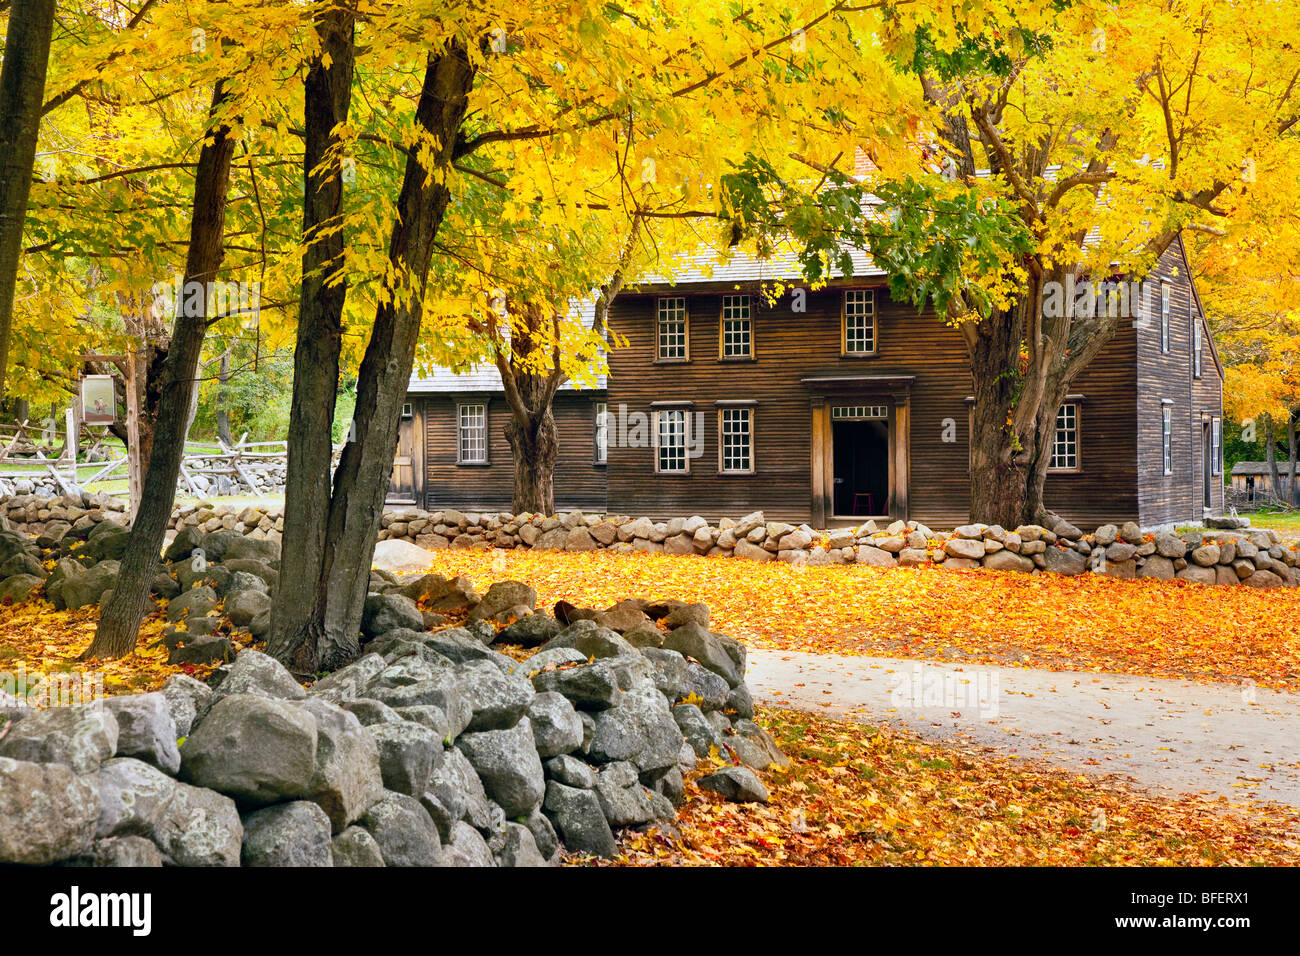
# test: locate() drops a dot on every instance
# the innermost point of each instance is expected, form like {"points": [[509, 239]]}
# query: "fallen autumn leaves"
{"points": [[863, 795], [856, 794], [1089, 623]]}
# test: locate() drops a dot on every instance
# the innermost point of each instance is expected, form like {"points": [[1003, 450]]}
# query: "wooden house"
{"points": [[832, 405]]}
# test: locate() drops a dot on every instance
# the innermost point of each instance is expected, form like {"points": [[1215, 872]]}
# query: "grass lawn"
{"points": [[1284, 522]]}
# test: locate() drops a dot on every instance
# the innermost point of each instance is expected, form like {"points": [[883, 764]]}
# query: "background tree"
{"points": [[22, 95], [1110, 130], [119, 621]]}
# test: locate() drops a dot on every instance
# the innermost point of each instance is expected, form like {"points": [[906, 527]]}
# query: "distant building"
{"points": [[1251, 482]]}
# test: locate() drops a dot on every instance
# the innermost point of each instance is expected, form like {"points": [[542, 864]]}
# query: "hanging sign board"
{"points": [[98, 402]]}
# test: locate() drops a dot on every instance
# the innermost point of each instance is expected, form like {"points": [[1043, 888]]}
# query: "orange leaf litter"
{"points": [[859, 795], [1089, 623]]}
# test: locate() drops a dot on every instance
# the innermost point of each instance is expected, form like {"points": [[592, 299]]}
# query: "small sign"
{"points": [[98, 400]]}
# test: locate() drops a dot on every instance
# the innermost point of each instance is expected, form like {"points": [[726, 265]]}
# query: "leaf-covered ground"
{"points": [[1089, 623], [856, 794], [45, 641]]}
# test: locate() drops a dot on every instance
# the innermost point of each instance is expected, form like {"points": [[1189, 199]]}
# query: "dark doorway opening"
{"points": [[861, 451], [1207, 466]]}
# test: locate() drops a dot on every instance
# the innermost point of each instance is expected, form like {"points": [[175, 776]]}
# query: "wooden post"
{"points": [[70, 422], [820, 510], [135, 479]]}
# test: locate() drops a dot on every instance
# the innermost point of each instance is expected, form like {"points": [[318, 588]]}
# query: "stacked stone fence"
{"points": [[433, 748], [1253, 557]]}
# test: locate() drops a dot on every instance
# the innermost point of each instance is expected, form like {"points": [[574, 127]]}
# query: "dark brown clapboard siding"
{"points": [[791, 346], [1104, 489], [1174, 498], [579, 482]]}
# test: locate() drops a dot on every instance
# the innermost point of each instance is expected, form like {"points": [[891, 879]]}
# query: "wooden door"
{"points": [[401, 488]]}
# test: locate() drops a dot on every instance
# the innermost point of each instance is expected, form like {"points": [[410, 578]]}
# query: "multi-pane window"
{"points": [[736, 444], [602, 432], [1166, 303], [1065, 446], [1216, 446], [1196, 346], [737, 334], [672, 328], [859, 322], [670, 441], [1167, 436], [473, 433]]}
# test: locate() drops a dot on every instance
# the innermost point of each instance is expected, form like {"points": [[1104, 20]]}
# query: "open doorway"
{"points": [[1207, 468], [861, 451]]}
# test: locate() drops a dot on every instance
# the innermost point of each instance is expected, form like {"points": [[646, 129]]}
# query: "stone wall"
{"points": [[433, 748], [1255, 557]]}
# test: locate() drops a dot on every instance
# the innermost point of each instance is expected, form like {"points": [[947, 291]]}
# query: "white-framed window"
{"points": [[601, 438], [736, 330], [859, 322], [472, 434], [1216, 446], [736, 441], [1166, 304], [1196, 346], [670, 328], [408, 410], [1065, 446], [1167, 436], [670, 441]]}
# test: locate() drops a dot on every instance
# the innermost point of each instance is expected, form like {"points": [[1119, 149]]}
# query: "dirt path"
{"points": [[1170, 735]]}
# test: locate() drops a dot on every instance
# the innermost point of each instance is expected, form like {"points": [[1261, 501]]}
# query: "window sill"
{"points": [[473, 464], [742, 359], [858, 355], [673, 361]]}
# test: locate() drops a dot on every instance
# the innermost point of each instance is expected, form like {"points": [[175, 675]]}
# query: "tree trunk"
{"points": [[333, 617], [223, 399], [1292, 491], [22, 94], [1054, 392], [533, 443], [1270, 458], [119, 623], [997, 482], [295, 637]]}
